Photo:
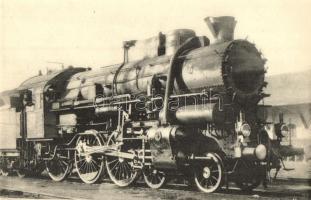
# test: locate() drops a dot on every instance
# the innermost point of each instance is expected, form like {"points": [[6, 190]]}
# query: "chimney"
{"points": [[222, 28]]}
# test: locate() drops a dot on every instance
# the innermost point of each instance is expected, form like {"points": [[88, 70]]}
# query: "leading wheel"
{"points": [[209, 173], [154, 178], [249, 175], [59, 167], [89, 165], [120, 170]]}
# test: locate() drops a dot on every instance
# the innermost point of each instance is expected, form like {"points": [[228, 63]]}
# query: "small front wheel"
{"points": [[249, 175], [209, 173], [58, 168], [154, 178]]}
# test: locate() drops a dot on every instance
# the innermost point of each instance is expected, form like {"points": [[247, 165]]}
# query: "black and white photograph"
{"points": [[155, 99]]}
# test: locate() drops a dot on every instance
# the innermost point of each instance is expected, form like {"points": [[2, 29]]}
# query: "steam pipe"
{"points": [[126, 46], [173, 66]]}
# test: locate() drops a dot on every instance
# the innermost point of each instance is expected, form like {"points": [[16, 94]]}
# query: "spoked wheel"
{"points": [[58, 168], [89, 165], [208, 174], [120, 170], [249, 175], [154, 178]]}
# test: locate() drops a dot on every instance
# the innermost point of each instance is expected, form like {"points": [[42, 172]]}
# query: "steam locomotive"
{"points": [[176, 106]]}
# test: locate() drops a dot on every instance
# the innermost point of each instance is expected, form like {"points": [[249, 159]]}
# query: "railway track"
{"points": [[73, 188]]}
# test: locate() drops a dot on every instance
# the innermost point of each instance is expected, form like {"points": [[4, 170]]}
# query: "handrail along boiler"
{"points": [[183, 106]]}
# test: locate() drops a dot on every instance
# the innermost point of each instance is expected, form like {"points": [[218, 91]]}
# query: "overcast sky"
{"points": [[90, 33]]}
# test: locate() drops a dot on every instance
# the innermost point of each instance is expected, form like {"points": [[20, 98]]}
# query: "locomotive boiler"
{"points": [[177, 105]]}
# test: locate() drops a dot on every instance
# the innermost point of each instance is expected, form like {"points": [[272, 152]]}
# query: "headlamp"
{"points": [[284, 130], [245, 130]]}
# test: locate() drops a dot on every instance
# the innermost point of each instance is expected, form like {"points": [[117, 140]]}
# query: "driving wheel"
{"points": [[88, 165], [120, 170]]}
